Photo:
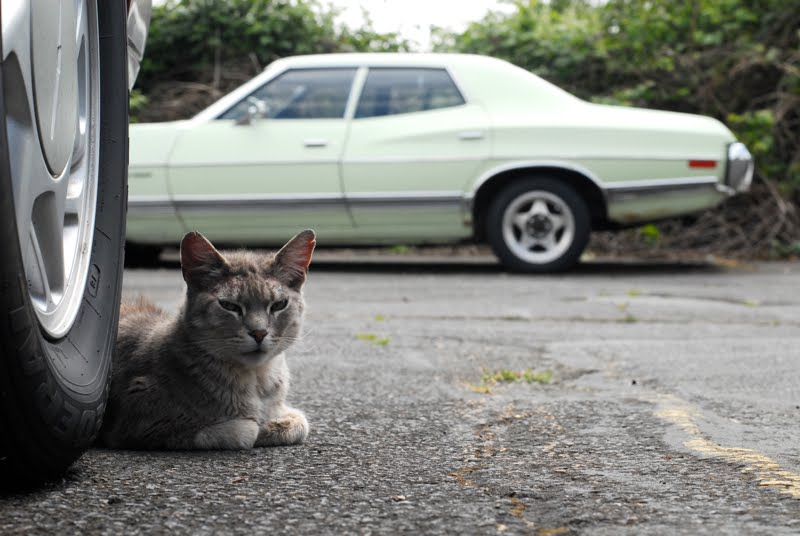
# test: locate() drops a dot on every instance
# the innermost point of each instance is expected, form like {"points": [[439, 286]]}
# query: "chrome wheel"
{"points": [[51, 87], [538, 227]]}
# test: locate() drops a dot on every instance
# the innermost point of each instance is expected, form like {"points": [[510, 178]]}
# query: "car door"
{"points": [[414, 144], [269, 165]]}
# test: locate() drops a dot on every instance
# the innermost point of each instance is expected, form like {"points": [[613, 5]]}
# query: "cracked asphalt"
{"points": [[673, 408]]}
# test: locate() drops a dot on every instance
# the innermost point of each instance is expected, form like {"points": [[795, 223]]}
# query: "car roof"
{"points": [[487, 70], [378, 59]]}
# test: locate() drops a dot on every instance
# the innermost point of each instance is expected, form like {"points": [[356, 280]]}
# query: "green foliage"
{"points": [[222, 43], [737, 60], [137, 102]]}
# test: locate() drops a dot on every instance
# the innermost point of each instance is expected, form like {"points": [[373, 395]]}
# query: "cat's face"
{"points": [[245, 306]]}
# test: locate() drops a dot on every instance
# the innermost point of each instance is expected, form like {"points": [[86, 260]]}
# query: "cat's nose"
{"points": [[258, 335]]}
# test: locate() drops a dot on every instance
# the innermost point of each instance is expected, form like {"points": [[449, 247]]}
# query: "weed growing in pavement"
{"points": [[628, 318], [490, 378], [373, 338]]}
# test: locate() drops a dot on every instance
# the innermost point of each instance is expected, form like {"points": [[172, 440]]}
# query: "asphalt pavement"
{"points": [[449, 397]]}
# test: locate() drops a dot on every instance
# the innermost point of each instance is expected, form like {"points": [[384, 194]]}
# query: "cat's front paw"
{"points": [[237, 434], [291, 429]]}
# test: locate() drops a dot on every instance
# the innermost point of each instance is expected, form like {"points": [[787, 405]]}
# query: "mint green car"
{"points": [[418, 149]]}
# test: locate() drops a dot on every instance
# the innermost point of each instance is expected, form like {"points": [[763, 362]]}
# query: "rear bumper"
{"points": [[638, 201], [739, 169]]}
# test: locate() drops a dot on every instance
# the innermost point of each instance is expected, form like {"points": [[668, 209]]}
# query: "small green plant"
{"points": [[398, 249], [373, 338], [490, 378], [650, 234], [628, 318], [379, 318]]}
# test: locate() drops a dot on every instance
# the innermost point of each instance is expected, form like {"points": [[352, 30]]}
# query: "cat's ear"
{"points": [[201, 264], [291, 262]]}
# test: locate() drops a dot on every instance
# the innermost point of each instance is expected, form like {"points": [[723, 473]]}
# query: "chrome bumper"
{"points": [[138, 23], [740, 167]]}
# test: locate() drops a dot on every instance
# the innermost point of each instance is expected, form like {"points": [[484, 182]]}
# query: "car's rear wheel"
{"points": [[538, 224], [63, 190]]}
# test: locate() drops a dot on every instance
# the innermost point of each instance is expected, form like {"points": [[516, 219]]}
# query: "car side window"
{"points": [[389, 91], [298, 94]]}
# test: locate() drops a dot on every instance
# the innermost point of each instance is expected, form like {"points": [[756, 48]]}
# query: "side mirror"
{"points": [[258, 109]]}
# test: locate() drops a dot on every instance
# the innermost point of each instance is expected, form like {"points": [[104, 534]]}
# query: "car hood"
{"points": [[152, 143]]}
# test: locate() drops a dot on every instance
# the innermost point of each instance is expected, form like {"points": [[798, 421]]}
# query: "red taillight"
{"points": [[702, 163]]}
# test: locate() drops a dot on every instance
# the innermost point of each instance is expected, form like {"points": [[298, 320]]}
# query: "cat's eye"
{"points": [[228, 306], [279, 306]]}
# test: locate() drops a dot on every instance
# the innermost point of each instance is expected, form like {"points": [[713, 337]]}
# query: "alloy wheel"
{"points": [[538, 227], [51, 87]]}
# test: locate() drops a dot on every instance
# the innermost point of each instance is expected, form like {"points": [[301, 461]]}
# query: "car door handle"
{"points": [[470, 135], [315, 142]]}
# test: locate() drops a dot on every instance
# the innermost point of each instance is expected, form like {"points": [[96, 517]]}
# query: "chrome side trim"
{"points": [[653, 158], [149, 203], [277, 201], [315, 162], [405, 200], [406, 160], [661, 185], [633, 202]]}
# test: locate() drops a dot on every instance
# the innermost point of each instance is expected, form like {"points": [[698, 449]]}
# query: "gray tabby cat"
{"points": [[215, 376]]}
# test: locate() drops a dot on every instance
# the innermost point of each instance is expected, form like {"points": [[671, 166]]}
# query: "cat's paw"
{"points": [[238, 434], [290, 429]]}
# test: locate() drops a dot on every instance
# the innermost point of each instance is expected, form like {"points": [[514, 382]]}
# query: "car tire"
{"points": [[55, 353], [538, 225]]}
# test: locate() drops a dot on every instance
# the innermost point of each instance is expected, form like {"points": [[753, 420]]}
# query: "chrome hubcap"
{"points": [[51, 77], [538, 227]]}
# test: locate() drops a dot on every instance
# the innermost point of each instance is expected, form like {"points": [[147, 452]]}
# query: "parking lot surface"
{"points": [[449, 397]]}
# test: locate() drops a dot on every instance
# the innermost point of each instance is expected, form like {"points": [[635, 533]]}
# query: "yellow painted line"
{"points": [[766, 470]]}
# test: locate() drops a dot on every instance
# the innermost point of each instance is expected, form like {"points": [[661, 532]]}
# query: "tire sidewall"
{"points": [[54, 418], [498, 206]]}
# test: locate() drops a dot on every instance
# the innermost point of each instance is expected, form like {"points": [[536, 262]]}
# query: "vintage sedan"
{"points": [[422, 148]]}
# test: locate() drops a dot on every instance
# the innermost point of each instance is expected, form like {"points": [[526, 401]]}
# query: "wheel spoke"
{"points": [[46, 238], [521, 221], [548, 243], [539, 207], [527, 241], [557, 222], [82, 46]]}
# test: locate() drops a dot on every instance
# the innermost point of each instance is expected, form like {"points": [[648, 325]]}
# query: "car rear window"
{"points": [[390, 91]]}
